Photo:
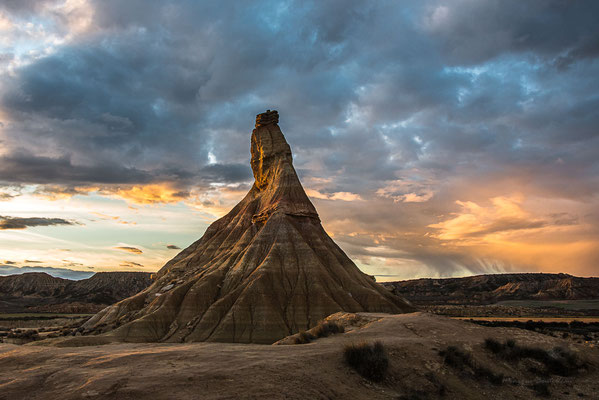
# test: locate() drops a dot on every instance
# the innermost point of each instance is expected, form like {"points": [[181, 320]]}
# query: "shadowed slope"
{"points": [[265, 270]]}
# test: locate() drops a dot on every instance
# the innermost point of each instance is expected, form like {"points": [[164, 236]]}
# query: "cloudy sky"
{"points": [[436, 138]]}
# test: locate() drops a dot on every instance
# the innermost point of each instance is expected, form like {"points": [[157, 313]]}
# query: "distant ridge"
{"points": [[41, 292], [489, 289]]}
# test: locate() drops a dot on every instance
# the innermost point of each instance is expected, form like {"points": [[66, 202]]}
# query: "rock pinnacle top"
{"points": [[266, 118]]}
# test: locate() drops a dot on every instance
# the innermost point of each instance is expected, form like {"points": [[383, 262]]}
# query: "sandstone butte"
{"points": [[264, 271]]}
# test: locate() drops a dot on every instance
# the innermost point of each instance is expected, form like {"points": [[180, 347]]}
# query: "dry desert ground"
{"points": [[81, 369]]}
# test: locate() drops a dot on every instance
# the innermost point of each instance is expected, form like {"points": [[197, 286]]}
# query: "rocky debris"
{"points": [[264, 271]]}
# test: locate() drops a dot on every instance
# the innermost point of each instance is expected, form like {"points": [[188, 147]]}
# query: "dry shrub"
{"points": [[327, 328], [463, 361], [558, 361], [368, 359], [304, 337]]}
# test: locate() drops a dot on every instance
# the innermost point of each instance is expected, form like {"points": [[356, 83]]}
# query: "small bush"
{"points": [[495, 346], [304, 337], [559, 361], [463, 361], [369, 360], [541, 388], [455, 357], [327, 328]]}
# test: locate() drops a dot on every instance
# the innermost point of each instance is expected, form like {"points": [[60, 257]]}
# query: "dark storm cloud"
{"points": [[474, 32], [382, 99], [24, 167], [173, 247], [23, 223], [230, 173]]}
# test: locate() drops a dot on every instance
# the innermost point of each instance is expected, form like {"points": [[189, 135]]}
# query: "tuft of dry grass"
{"points": [[327, 328], [304, 337], [323, 329], [368, 359], [463, 361]]}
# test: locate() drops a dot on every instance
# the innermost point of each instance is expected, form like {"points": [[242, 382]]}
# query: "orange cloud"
{"points": [[152, 194], [475, 222], [508, 233], [129, 249], [54, 192]]}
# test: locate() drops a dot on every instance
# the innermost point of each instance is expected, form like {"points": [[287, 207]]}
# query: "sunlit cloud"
{"points": [[129, 249], [151, 194], [343, 196], [502, 218]]}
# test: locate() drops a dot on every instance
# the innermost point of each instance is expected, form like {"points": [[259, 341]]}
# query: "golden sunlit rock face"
{"points": [[265, 270]]}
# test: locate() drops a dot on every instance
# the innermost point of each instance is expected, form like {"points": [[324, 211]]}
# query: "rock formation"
{"points": [[489, 289], [265, 270], [40, 292]]}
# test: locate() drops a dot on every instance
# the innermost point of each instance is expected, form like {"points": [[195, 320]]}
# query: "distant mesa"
{"points": [[262, 272]]}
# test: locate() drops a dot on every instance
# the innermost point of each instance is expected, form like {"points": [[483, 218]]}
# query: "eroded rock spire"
{"points": [[265, 270]]}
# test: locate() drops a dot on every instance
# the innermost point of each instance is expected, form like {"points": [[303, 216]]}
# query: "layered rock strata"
{"points": [[264, 271]]}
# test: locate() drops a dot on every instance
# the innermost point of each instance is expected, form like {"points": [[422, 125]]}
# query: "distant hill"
{"points": [[489, 289], [40, 292]]}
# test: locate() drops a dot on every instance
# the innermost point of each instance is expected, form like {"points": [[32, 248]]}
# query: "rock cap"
{"points": [[267, 118]]}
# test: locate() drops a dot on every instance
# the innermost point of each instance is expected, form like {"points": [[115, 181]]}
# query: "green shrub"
{"points": [[369, 360]]}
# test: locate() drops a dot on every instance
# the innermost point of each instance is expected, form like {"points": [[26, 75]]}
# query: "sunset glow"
{"points": [[432, 141]]}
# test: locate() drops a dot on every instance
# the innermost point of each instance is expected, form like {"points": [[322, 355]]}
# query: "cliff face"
{"points": [[38, 291], [488, 289], [264, 271]]}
